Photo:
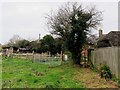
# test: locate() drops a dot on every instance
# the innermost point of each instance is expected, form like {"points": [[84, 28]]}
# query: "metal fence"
{"points": [[109, 56], [39, 58]]}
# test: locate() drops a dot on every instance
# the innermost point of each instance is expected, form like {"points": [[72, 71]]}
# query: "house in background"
{"points": [[10, 49], [24, 50], [107, 52], [14, 49], [108, 40]]}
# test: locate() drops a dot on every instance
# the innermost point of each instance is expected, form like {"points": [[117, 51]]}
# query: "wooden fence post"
{"points": [[61, 58], [32, 56], [26, 55]]}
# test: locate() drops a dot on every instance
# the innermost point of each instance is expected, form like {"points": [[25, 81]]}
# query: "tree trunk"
{"points": [[76, 58]]}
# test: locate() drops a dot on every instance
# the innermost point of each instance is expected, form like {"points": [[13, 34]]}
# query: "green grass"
{"points": [[19, 73]]}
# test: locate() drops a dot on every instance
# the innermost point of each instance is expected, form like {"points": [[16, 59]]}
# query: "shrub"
{"points": [[105, 72], [114, 78]]}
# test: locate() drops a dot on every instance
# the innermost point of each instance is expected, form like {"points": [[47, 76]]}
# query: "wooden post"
{"points": [[49, 55], [32, 59], [61, 58], [26, 55]]}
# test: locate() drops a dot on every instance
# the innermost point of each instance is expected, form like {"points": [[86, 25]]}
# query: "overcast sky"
{"points": [[27, 19]]}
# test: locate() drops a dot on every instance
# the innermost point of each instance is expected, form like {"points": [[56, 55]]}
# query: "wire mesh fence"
{"points": [[40, 58], [50, 60]]}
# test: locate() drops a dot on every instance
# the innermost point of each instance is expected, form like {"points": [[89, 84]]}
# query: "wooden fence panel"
{"points": [[109, 56]]}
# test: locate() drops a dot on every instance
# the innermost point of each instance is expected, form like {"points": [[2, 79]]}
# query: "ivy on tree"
{"points": [[72, 23]]}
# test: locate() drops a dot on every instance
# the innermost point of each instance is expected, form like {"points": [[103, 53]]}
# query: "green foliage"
{"points": [[114, 78], [68, 53], [58, 44], [34, 46], [93, 68], [105, 72], [48, 44], [22, 43]]}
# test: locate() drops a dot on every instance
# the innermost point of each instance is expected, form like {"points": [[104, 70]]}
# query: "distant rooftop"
{"points": [[110, 39]]}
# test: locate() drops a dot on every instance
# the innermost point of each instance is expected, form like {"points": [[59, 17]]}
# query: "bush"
{"points": [[105, 72], [114, 78]]}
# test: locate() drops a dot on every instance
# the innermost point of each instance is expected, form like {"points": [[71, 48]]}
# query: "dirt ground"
{"points": [[92, 79]]}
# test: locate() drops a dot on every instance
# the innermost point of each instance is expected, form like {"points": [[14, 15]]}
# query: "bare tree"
{"points": [[16, 38], [72, 23]]}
